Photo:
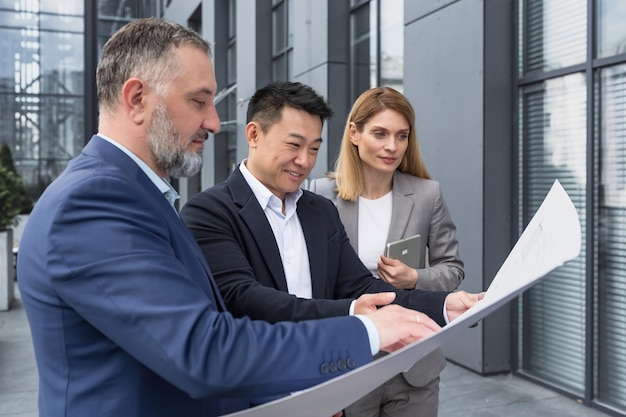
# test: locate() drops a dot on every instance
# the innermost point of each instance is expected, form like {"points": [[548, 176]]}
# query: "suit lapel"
{"points": [[260, 229], [315, 237], [118, 158], [349, 213], [402, 206]]}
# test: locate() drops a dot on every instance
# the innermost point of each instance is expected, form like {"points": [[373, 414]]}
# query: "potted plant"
{"points": [[13, 201]]}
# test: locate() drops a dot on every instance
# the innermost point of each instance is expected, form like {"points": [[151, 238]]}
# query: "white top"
{"points": [[375, 218]]}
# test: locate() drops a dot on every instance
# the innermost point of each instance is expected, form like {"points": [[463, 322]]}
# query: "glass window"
{"points": [[225, 144], [611, 38], [42, 76], [48, 132], [364, 46], [62, 23], [392, 43], [278, 29], [553, 34], [610, 261], [279, 68], [231, 63], [19, 20], [19, 60], [232, 19], [282, 39], [65, 7], [553, 138], [62, 63]]}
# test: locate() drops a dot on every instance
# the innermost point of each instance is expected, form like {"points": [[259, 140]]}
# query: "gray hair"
{"points": [[143, 48]]}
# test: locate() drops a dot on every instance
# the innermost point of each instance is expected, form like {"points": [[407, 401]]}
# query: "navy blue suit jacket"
{"points": [[237, 241], [125, 315]]}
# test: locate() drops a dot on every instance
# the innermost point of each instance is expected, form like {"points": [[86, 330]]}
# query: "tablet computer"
{"points": [[406, 250]]}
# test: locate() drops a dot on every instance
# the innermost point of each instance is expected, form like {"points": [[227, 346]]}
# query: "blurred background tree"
{"points": [[13, 197]]}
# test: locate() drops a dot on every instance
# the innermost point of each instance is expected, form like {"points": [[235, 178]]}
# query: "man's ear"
{"points": [[253, 131], [134, 99]]}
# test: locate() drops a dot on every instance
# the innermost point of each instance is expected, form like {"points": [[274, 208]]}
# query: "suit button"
{"points": [[341, 365], [324, 369], [333, 367], [350, 362]]}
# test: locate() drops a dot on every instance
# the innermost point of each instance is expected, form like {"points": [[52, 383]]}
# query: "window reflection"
{"points": [[41, 88], [282, 40], [611, 27], [553, 34], [363, 41], [611, 95], [553, 144], [392, 43], [42, 79], [65, 7]]}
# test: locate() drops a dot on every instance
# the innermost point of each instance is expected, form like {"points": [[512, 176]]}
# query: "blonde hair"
{"points": [[348, 169]]}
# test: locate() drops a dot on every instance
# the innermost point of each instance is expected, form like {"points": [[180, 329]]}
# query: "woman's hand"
{"points": [[397, 273]]}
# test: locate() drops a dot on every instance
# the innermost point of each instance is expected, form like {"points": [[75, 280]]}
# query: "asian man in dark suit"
{"points": [[278, 252], [125, 315]]}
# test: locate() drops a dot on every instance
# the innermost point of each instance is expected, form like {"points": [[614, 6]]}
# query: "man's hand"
{"points": [[398, 326], [397, 273], [368, 303], [459, 302]]}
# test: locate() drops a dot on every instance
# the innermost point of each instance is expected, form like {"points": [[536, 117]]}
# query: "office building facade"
{"points": [[509, 96]]}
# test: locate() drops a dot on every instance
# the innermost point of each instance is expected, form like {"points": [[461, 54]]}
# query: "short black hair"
{"points": [[266, 105]]}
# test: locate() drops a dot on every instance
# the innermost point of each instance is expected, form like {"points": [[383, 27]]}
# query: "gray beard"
{"points": [[165, 144]]}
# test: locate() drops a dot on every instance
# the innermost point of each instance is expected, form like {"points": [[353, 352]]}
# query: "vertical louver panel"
{"points": [[553, 146], [554, 34], [611, 258]]}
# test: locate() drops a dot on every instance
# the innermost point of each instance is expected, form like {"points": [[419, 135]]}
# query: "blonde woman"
{"points": [[384, 193]]}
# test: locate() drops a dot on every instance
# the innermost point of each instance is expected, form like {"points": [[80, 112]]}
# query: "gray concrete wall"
{"points": [[310, 58], [458, 77], [444, 81], [180, 10], [321, 55]]}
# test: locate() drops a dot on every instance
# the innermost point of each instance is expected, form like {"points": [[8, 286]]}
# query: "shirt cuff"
{"points": [[372, 333], [445, 314]]}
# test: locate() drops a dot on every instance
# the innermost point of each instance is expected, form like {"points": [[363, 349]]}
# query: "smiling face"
{"points": [[184, 115], [382, 142], [284, 156]]}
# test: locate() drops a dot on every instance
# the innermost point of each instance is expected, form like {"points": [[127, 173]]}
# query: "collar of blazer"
{"points": [[309, 214], [402, 208]]}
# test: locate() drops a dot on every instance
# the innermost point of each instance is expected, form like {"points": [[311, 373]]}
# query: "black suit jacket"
{"points": [[237, 241]]}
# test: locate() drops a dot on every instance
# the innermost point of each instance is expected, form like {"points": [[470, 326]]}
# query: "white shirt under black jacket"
{"points": [[287, 229]]}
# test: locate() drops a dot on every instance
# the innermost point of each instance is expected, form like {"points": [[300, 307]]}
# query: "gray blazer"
{"points": [[418, 207]]}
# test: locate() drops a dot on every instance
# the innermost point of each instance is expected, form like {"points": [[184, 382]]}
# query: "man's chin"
{"points": [[189, 169]]}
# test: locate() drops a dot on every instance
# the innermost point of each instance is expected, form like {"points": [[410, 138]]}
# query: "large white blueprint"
{"points": [[552, 238]]}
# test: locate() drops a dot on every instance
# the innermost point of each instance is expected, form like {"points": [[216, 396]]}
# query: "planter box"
{"points": [[7, 270]]}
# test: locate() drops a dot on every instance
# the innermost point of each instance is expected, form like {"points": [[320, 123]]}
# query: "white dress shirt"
{"points": [[287, 232], [292, 245]]}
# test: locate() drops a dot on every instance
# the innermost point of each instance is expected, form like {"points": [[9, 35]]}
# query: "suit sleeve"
{"points": [[242, 275], [111, 260], [445, 272]]}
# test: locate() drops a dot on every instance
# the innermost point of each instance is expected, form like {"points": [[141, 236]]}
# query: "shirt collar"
{"points": [[265, 197], [161, 183]]}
